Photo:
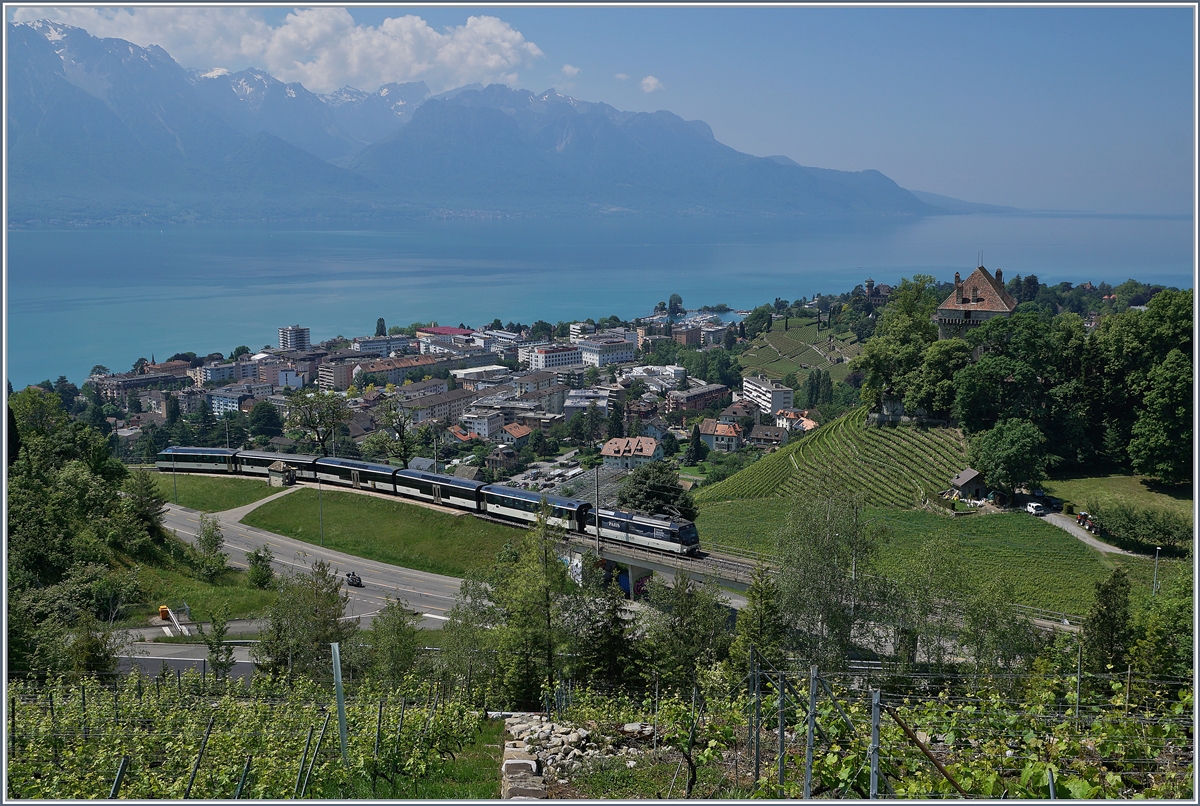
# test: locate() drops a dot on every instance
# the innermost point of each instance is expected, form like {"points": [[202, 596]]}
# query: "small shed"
{"points": [[970, 483], [281, 475]]}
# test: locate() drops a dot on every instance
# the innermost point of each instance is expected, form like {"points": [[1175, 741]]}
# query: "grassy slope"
{"points": [[1134, 490], [172, 587], [894, 466], [1046, 566], [387, 531], [212, 493]]}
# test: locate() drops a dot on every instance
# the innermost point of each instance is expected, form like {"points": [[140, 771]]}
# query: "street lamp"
{"points": [[1157, 549]]}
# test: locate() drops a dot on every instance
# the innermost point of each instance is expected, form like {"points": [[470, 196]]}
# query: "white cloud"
{"points": [[323, 48], [570, 70], [621, 76], [651, 84]]}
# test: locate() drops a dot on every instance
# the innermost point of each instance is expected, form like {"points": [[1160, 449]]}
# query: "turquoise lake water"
{"points": [[108, 296]]}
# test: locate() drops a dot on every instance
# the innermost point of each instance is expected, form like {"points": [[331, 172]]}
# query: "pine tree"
{"points": [[760, 625], [1106, 633]]}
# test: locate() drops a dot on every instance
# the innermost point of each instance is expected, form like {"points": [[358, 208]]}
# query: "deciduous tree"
{"points": [[654, 488], [318, 414]]}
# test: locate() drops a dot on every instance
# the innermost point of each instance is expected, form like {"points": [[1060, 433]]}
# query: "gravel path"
{"points": [[1068, 524]]}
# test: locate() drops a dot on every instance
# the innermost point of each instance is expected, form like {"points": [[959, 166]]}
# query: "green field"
{"points": [[780, 352], [1047, 567], [212, 493], [894, 466], [392, 532], [165, 586], [1136, 491]]}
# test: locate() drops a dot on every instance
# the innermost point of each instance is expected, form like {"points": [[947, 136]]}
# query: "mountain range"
{"points": [[105, 130]]}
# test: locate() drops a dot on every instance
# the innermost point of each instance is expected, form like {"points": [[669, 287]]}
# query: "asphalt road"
{"points": [[430, 594]]}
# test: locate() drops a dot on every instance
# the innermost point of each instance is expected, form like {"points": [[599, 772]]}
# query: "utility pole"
{"points": [[874, 744], [598, 519], [1157, 549]]}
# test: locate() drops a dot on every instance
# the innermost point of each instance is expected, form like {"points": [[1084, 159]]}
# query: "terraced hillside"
{"points": [[895, 466], [800, 349]]}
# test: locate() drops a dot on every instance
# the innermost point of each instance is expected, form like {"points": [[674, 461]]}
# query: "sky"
{"points": [[1088, 109]]}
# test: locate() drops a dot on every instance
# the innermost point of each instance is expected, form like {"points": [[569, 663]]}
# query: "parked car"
{"points": [[1034, 508]]}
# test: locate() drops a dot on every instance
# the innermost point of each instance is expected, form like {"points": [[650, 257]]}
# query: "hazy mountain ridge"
{"points": [[103, 125]]}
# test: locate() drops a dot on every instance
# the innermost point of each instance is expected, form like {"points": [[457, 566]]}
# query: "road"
{"points": [[1068, 524], [430, 594]]}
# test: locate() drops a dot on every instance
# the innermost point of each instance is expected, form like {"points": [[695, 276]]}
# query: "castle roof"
{"points": [[979, 292]]}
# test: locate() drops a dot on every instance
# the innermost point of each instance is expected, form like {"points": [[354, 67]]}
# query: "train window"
{"points": [[641, 529], [688, 535]]}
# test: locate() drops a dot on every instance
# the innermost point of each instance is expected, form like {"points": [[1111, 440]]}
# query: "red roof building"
{"points": [[974, 301]]}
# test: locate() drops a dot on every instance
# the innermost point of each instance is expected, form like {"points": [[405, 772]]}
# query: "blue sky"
{"points": [[1041, 108]]}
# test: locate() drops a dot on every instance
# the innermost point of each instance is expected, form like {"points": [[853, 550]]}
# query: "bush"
{"points": [[1068, 508], [1141, 529]]}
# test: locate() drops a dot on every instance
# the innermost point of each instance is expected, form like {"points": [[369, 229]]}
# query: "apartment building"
{"points": [[294, 338], [768, 395], [600, 352]]}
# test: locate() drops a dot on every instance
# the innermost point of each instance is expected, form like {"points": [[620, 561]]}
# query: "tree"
{"points": [[265, 421], [395, 640], [304, 619], [14, 438], [684, 628], [209, 541], [826, 576], [380, 327], [654, 488], [240, 350], [1106, 633], [392, 415], [1011, 455], [258, 567], [1162, 436], [37, 413], [593, 421], [760, 625], [139, 366], [98, 369], [670, 444], [995, 638], [601, 632], [528, 589], [145, 499], [319, 414], [730, 338], [591, 375], [220, 653], [675, 305], [171, 410], [697, 448], [1165, 630], [616, 421], [933, 388]]}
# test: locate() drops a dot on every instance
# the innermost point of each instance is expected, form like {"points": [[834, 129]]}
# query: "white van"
{"points": [[1034, 508]]}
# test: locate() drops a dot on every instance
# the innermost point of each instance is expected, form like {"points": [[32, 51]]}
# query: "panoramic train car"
{"points": [[256, 463], [359, 475], [679, 537], [439, 489], [196, 460], [522, 505]]}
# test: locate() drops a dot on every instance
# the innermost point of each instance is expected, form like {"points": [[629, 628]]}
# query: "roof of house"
{"points": [[979, 292], [739, 409], [965, 477], [460, 434], [444, 331], [420, 463], [630, 446], [699, 391], [518, 431], [769, 433], [468, 472], [711, 427]]}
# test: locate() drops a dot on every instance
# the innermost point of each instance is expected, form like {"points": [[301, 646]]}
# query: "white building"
{"points": [[381, 345], [552, 356], [483, 424], [294, 338], [599, 352], [581, 329], [631, 452], [768, 395]]}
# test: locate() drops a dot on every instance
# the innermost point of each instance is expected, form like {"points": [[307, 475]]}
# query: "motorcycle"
{"points": [[353, 580]]}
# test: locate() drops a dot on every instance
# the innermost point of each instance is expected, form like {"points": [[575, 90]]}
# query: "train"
{"points": [[672, 535]]}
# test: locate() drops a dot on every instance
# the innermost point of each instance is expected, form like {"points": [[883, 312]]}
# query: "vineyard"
{"points": [[1035, 736], [187, 736], [893, 466], [798, 349]]}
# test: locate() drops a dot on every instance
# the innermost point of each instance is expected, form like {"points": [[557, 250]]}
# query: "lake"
{"points": [[82, 297]]}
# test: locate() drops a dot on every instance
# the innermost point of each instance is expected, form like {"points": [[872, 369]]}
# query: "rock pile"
{"points": [[541, 749]]}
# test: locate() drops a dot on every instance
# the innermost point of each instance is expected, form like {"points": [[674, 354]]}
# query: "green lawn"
{"points": [[212, 493], [1046, 566], [173, 588], [388, 531], [1133, 490]]}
